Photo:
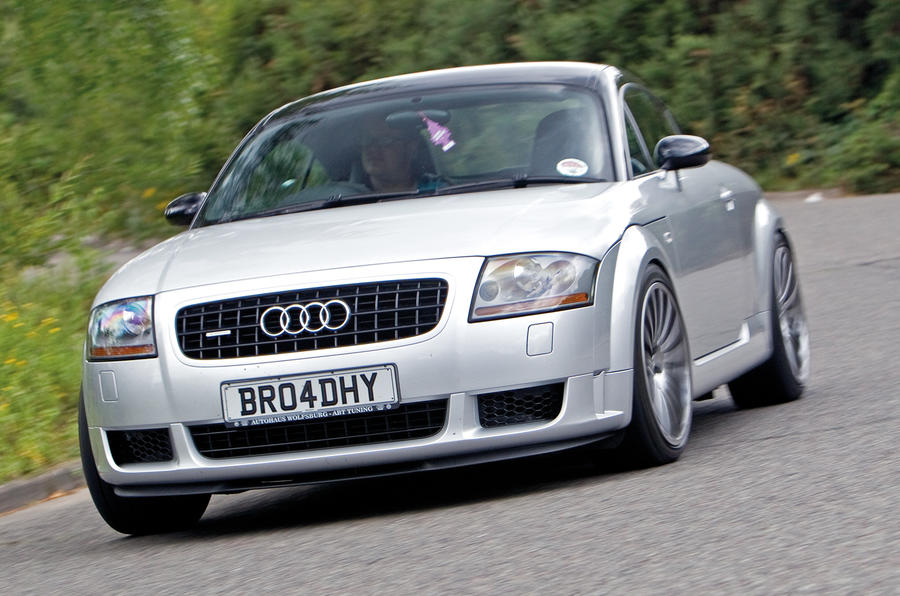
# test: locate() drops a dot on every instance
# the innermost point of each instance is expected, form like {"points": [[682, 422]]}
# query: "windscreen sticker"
{"points": [[572, 167], [440, 134]]}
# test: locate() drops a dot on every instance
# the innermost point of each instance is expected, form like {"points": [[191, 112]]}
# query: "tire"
{"points": [[135, 515], [783, 377], [661, 402]]}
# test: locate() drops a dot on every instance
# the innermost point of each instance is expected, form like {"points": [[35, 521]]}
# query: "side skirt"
{"points": [[752, 348]]}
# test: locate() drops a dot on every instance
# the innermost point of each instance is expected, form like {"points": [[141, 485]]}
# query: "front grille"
{"points": [[140, 446], [382, 311], [408, 421], [520, 405]]}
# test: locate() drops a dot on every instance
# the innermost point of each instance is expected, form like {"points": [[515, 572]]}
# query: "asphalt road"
{"points": [[797, 498]]}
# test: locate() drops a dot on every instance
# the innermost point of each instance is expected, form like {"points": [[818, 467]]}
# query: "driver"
{"points": [[389, 156]]}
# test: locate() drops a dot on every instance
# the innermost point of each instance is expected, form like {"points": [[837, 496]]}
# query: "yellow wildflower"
{"points": [[34, 455], [149, 193], [792, 159], [55, 330], [10, 361], [17, 325], [48, 320]]}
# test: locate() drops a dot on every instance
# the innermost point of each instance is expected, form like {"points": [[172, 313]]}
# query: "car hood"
{"points": [[581, 218]]}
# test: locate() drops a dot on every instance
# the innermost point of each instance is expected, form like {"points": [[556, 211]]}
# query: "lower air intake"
{"points": [[520, 406], [408, 421], [140, 446]]}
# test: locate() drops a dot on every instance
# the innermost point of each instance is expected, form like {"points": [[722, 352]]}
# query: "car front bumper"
{"points": [[457, 361]]}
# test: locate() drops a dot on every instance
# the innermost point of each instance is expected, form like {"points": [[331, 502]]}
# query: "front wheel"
{"points": [[784, 375], [135, 515], [661, 405]]}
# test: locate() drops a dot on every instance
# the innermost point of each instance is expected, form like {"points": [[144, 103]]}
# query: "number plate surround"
{"points": [[292, 398]]}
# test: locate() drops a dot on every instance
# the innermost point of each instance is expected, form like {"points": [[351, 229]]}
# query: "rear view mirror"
{"points": [[410, 120], [182, 210], [681, 151]]}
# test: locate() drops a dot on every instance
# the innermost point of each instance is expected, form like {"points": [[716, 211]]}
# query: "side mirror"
{"points": [[681, 151], [182, 210]]}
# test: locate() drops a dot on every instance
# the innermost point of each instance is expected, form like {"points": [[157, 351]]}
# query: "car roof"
{"points": [[572, 73]]}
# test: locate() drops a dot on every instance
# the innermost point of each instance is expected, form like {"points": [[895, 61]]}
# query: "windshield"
{"points": [[413, 146]]}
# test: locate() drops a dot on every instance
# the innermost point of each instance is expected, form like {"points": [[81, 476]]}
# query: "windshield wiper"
{"points": [[330, 202], [373, 197], [513, 182]]}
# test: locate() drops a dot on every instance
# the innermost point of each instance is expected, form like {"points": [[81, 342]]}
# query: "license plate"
{"points": [[301, 397]]}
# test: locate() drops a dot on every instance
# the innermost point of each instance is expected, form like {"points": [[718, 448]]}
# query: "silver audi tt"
{"points": [[433, 270]]}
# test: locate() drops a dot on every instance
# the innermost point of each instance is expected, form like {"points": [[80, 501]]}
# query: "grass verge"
{"points": [[43, 318]]}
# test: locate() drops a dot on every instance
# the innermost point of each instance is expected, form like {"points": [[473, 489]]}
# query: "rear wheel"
{"points": [[135, 515], [661, 408], [784, 375]]}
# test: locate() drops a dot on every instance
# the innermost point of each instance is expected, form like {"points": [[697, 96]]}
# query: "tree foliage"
{"points": [[126, 104]]}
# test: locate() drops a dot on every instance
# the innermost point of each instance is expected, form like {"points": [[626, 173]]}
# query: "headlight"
{"points": [[122, 329], [530, 283]]}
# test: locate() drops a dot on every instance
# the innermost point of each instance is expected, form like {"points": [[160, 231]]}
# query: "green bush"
{"points": [[865, 155], [41, 337]]}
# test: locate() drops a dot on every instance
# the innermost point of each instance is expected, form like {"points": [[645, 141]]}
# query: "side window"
{"points": [[651, 117], [640, 159]]}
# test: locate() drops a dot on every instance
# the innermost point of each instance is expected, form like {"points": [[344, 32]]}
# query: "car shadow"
{"points": [[354, 499], [320, 504]]}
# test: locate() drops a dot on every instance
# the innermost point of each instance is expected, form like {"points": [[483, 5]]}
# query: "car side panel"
{"points": [[713, 254]]}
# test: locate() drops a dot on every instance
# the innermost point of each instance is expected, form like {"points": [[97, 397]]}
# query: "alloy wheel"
{"points": [[666, 365], [790, 315]]}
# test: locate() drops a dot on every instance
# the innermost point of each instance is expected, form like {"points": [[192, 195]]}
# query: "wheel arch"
{"points": [[639, 249], [768, 224]]}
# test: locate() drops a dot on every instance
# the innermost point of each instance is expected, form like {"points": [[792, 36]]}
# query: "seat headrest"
{"points": [[560, 135]]}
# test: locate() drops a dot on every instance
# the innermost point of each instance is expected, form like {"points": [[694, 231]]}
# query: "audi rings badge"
{"points": [[297, 318]]}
